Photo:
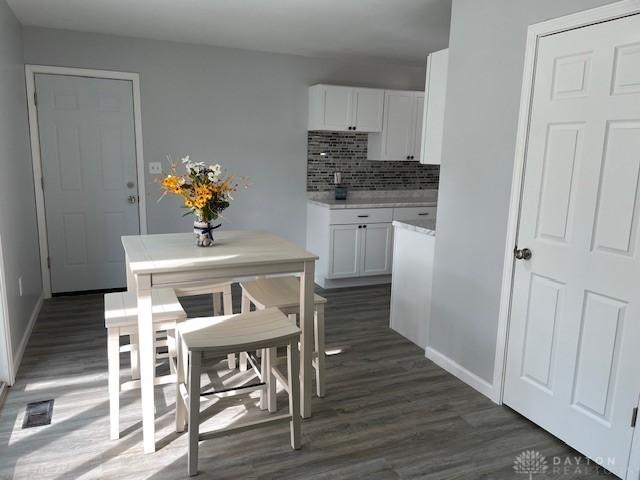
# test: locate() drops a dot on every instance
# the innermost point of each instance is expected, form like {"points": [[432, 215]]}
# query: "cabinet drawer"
{"points": [[414, 213], [360, 215]]}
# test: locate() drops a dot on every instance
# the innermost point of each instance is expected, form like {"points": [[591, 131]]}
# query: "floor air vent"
{"points": [[38, 414]]}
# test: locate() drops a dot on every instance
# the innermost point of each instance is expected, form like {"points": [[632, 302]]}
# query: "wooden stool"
{"points": [[284, 293], [221, 288], [265, 329], [121, 319]]}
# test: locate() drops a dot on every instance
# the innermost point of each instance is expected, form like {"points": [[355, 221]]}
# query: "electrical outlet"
{"points": [[20, 285], [155, 168]]}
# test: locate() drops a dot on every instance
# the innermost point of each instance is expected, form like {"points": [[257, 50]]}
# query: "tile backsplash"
{"points": [[346, 152]]}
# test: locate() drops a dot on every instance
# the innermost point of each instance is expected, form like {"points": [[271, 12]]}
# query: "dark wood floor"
{"points": [[389, 413]]}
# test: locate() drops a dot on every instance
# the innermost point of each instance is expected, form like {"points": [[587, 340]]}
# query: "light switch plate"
{"points": [[155, 168]]}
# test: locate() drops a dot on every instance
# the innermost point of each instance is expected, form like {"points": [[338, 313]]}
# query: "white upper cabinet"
{"points": [[342, 109], [401, 127], [435, 94], [366, 108], [418, 127]]}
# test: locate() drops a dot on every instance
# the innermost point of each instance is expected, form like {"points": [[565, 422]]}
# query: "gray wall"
{"points": [[244, 109], [18, 228], [487, 46]]}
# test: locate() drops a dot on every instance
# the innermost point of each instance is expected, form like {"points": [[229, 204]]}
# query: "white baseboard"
{"points": [[17, 356], [4, 391], [462, 373], [327, 283]]}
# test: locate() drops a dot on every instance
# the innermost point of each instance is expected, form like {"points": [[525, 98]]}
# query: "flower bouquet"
{"points": [[205, 193]]}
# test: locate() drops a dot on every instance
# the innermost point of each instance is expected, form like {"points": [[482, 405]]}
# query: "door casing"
{"points": [[30, 73], [534, 33]]}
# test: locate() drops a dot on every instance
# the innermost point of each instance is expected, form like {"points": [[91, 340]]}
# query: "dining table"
{"points": [[174, 260]]}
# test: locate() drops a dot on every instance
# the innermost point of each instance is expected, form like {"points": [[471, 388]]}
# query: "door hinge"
{"points": [[634, 417], [49, 263]]}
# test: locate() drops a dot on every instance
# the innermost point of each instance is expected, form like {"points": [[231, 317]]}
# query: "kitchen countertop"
{"points": [[389, 199], [428, 227]]}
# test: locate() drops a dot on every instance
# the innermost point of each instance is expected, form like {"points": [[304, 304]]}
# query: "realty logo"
{"points": [[530, 462]]}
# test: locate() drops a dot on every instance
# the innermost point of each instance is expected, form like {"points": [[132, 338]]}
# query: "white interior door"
{"points": [[87, 148], [573, 352]]}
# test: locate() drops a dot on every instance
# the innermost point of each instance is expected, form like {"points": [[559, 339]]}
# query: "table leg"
{"points": [[307, 285], [147, 361], [131, 279]]}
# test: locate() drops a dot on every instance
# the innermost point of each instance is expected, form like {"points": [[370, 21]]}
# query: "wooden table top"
{"points": [[237, 248]]}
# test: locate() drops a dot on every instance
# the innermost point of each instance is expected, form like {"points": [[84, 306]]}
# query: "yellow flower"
{"points": [[172, 183]]}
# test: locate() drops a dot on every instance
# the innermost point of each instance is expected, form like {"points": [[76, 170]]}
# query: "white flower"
{"points": [[216, 169], [185, 159], [212, 176]]}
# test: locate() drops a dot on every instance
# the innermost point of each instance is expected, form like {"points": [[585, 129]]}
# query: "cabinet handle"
{"points": [[354, 128], [364, 226], [363, 216], [359, 226], [423, 213]]}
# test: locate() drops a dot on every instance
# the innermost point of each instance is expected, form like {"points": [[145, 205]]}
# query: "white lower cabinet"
{"points": [[344, 251], [376, 244], [359, 250], [355, 245]]}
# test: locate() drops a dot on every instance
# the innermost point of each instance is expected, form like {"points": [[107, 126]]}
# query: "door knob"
{"points": [[524, 254], [132, 199]]}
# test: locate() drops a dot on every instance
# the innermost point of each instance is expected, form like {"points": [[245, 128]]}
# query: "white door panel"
{"points": [[337, 107], [377, 247], [87, 145], [344, 251], [575, 319], [398, 129], [367, 109], [416, 141]]}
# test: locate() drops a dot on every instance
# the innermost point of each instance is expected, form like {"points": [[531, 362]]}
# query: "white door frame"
{"points": [[30, 73], [7, 372], [534, 33]]}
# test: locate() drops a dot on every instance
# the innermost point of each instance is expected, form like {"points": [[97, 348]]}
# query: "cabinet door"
{"points": [[336, 107], [436, 92], [344, 251], [376, 249], [416, 150], [397, 130], [366, 110]]}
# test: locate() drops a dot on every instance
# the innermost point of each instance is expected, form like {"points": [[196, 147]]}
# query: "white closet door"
{"points": [[573, 351], [87, 145]]}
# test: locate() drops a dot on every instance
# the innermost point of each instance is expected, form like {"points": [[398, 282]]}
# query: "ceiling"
{"points": [[401, 31]]}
